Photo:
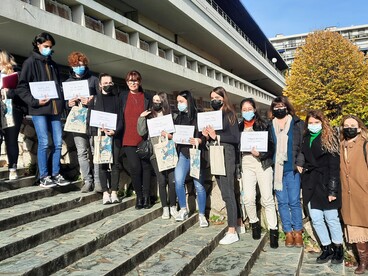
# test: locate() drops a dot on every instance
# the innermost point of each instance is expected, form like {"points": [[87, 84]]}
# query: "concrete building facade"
{"points": [[287, 45], [175, 44]]}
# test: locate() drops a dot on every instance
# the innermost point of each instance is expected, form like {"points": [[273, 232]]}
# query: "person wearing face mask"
{"points": [[160, 107], [45, 112], [188, 116], [287, 134], [257, 168], [107, 101], [79, 70], [230, 137], [354, 181], [321, 188]]}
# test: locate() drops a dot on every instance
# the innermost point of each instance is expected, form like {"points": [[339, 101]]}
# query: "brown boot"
{"points": [[363, 257], [289, 241], [298, 238]]}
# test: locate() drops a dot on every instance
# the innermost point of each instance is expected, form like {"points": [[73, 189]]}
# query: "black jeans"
{"points": [[163, 178], [11, 139], [226, 185], [112, 176], [140, 172]]}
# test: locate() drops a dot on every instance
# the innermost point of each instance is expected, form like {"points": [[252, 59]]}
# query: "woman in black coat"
{"points": [[321, 184]]}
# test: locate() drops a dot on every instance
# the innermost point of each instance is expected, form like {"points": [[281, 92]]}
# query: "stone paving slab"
{"points": [[124, 254], [310, 267], [184, 254], [48, 206], [234, 259], [29, 235], [282, 261], [56, 254]]}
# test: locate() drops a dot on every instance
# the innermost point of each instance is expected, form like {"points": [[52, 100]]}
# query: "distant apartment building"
{"points": [[287, 45]]}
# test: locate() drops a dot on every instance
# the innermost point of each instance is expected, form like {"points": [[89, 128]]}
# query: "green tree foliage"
{"points": [[329, 73]]}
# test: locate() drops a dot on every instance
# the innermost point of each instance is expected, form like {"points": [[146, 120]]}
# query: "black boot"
{"points": [[256, 230], [138, 203], [274, 238], [146, 202], [338, 256], [326, 255]]}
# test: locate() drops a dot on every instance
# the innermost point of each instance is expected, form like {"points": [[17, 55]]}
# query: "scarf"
{"points": [[281, 150], [248, 124], [313, 136]]}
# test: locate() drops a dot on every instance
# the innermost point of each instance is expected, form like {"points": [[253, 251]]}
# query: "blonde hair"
{"points": [[363, 132], [7, 62]]}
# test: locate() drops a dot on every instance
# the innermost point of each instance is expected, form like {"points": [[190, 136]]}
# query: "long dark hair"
{"points": [[192, 107], [284, 100], [166, 109], [227, 106], [41, 38], [258, 119]]}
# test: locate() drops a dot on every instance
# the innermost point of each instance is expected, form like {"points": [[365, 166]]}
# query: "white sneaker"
{"points": [[229, 238], [106, 199], [202, 221], [165, 213], [182, 215], [114, 198], [13, 175], [174, 211], [240, 229]]}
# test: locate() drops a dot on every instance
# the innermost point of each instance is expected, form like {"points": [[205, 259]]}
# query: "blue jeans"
{"points": [[333, 222], [43, 125], [181, 171], [288, 201]]}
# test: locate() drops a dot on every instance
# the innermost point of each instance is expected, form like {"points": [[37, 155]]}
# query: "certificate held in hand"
{"points": [[74, 89], [210, 118], [102, 119], [254, 139], [43, 89]]}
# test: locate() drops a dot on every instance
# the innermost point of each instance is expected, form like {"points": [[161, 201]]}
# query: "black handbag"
{"points": [[144, 149]]}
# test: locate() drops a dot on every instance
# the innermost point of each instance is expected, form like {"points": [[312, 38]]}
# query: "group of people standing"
{"points": [[331, 171]]}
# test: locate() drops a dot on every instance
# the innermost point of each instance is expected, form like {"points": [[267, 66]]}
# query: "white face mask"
{"points": [[314, 128]]}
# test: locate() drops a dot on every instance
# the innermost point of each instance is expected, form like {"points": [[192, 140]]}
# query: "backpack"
{"points": [[365, 151]]}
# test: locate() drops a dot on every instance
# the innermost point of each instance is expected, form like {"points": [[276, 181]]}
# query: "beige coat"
{"points": [[354, 180]]}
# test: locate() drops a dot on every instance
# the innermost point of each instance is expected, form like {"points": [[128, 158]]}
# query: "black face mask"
{"points": [[279, 113], [107, 88], [350, 132], [216, 104], [157, 106]]}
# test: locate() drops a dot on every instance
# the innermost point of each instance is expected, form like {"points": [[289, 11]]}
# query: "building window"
{"points": [[143, 45], [58, 9], [122, 36], [94, 24]]}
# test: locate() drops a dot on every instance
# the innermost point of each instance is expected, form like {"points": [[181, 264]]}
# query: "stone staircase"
{"points": [[61, 231]]}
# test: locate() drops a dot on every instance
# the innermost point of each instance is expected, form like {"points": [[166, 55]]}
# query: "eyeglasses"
{"points": [[107, 83], [133, 81]]}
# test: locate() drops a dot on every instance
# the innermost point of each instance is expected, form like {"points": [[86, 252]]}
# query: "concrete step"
{"points": [[6, 185], [124, 254], [234, 259], [280, 261], [310, 267], [4, 173], [48, 206], [183, 255], [26, 236], [56, 254]]}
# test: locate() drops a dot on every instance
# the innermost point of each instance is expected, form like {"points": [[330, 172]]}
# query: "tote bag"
{"points": [[102, 149], [166, 155], [217, 159], [77, 120], [7, 119], [195, 161]]}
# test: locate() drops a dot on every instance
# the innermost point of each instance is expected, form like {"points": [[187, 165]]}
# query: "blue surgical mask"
{"points": [[79, 70], [46, 52], [314, 128], [248, 115], [182, 107]]}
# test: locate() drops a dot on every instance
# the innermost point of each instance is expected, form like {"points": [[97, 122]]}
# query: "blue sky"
{"points": [[290, 17]]}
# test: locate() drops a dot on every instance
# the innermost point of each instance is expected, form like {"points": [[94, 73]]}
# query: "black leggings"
{"points": [[163, 178], [11, 139], [140, 172]]}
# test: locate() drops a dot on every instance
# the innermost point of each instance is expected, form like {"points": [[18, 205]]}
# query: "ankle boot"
{"points": [[256, 230], [326, 255], [338, 255], [147, 202], [298, 238], [138, 203], [363, 257], [274, 238], [289, 239]]}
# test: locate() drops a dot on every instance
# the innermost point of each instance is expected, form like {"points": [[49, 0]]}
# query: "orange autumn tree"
{"points": [[329, 73]]}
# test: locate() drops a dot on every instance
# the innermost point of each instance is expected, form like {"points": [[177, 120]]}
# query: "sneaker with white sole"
{"points": [[47, 182], [106, 199], [202, 221], [165, 213], [240, 229], [114, 197], [182, 215], [174, 211], [13, 175], [229, 238], [60, 181]]}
